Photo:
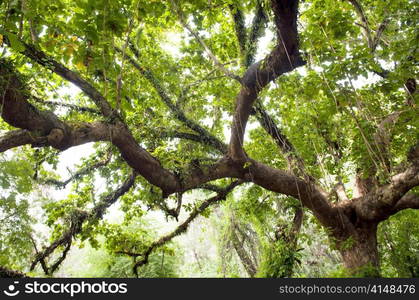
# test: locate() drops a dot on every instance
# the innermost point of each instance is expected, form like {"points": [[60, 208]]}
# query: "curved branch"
{"points": [[283, 58], [285, 183], [407, 201], [18, 112], [383, 201], [43, 128], [149, 167], [20, 137], [48, 62]]}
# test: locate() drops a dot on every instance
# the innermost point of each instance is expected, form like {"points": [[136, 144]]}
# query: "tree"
{"points": [[334, 96]]}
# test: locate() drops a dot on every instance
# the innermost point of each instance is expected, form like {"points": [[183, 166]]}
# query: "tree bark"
{"points": [[243, 255], [359, 251]]}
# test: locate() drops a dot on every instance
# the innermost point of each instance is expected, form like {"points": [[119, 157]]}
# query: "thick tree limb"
{"points": [[7, 273], [149, 167], [43, 128], [283, 58], [295, 163], [44, 60], [285, 183], [407, 201], [18, 112], [16, 138], [382, 201], [340, 191]]}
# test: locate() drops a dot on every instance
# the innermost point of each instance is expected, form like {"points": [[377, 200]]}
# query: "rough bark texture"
{"points": [[284, 57], [359, 252], [7, 273], [243, 255]]}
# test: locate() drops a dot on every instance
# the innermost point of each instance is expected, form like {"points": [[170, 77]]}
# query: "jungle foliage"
{"points": [[322, 182]]}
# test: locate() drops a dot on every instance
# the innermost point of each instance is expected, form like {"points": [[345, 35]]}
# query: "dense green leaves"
{"points": [[356, 93]]}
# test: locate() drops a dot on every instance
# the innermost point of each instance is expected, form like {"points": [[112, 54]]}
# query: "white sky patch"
{"points": [[263, 49], [172, 44], [361, 81]]}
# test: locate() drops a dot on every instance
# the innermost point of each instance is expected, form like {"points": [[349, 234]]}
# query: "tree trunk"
{"points": [[359, 251], [243, 255]]}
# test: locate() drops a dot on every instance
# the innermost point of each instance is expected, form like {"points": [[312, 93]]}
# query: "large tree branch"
{"points": [[407, 201], [41, 128], [295, 163], [18, 112], [16, 138], [149, 167], [284, 57], [285, 183], [382, 201], [48, 62]]}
